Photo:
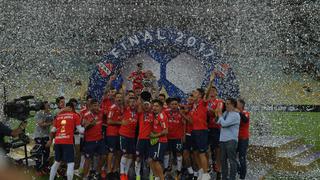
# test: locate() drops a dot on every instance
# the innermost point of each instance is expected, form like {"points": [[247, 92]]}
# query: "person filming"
{"points": [[7, 131]]}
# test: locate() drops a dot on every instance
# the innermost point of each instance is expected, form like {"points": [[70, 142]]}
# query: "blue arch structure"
{"points": [[163, 45]]}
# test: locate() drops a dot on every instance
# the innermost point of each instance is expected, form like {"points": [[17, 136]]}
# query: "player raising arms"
{"points": [[136, 77], [108, 97], [200, 130], [214, 105]]}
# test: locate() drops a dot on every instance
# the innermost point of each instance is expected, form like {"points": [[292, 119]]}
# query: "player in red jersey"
{"points": [[61, 103], [243, 137], [127, 137], [112, 135], [175, 133], [158, 139], [146, 118], [200, 129], [136, 77], [214, 105], [187, 141], [130, 94], [108, 97], [162, 98], [77, 138], [85, 108], [93, 139], [63, 131]]}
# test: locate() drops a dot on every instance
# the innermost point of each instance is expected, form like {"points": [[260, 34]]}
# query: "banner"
{"points": [[284, 108]]}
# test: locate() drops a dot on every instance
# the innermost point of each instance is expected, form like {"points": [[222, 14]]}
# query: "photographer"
{"points": [[43, 120], [7, 172], [6, 131]]}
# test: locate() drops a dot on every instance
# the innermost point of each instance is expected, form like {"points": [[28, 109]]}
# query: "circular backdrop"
{"points": [[181, 62]]}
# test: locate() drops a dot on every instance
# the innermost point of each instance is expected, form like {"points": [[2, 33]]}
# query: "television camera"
{"points": [[19, 109]]}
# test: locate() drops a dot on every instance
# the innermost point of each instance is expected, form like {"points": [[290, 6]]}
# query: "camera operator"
{"points": [[44, 119], [7, 131]]}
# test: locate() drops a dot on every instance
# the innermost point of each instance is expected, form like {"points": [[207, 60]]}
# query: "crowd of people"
{"points": [[144, 128]]}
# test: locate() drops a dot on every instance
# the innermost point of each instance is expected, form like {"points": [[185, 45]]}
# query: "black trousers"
{"points": [[242, 150], [42, 159]]}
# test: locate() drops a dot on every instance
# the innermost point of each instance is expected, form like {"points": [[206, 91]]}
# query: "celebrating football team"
{"points": [[139, 133]]}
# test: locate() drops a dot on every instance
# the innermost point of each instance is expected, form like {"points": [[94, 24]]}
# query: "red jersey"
{"points": [[189, 126], [159, 124], [165, 107], [129, 130], [199, 115], [214, 104], [65, 123], [244, 127], [95, 132], [175, 124], [137, 80], [115, 114], [106, 104], [83, 111], [145, 124]]}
